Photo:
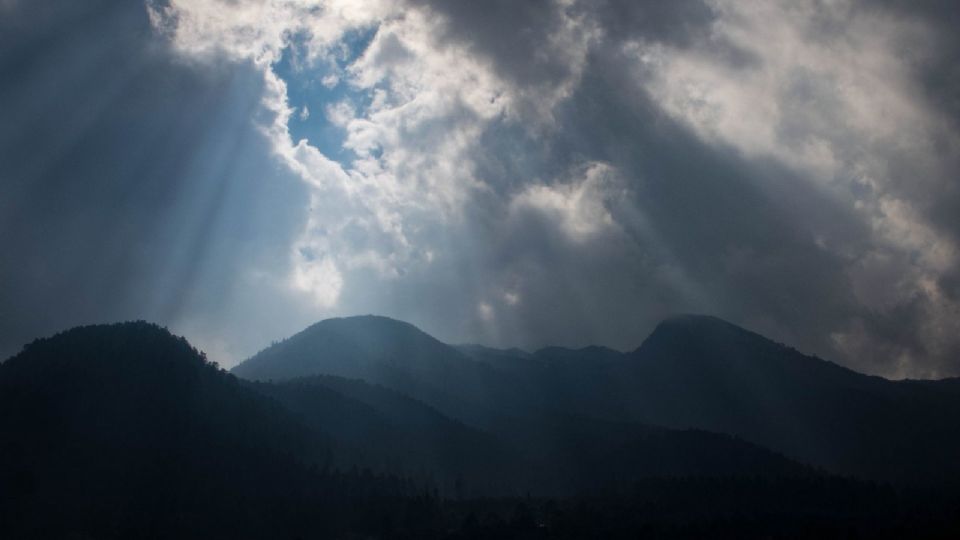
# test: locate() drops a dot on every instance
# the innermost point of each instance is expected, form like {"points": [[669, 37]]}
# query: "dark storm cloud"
{"points": [[940, 74], [738, 231], [759, 243], [131, 185], [652, 158], [511, 34], [692, 217], [939, 78], [520, 38]]}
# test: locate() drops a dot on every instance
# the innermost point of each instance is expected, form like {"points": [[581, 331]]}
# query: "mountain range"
{"points": [[692, 372], [369, 426]]}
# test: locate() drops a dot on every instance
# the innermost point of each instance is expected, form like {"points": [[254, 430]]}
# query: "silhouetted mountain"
{"points": [[394, 354], [546, 454], [691, 372], [352, 347], [388, 431], [126, 431], [134, 387], [541, 438], [510, 360], [706, 373]]}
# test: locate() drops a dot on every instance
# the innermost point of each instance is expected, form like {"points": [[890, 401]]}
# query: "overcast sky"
{"points": [[511, 173]]}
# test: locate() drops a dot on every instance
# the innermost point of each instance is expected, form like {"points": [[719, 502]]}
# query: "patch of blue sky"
{"points": [[311, 88]]}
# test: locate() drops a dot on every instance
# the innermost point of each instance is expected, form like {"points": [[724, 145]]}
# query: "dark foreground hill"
{"points": [[692, 372], [125, 431]]}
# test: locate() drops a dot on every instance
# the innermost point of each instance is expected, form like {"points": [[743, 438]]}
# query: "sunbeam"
{"points": [[489, 270]]}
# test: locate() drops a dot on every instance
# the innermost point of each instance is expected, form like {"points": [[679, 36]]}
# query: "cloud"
{"points": [[409, 174], [553, 171], [774, 163], [578, 207], [832, 94], [134, 186]]}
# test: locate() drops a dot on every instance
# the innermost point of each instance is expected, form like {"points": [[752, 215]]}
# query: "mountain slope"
{"points": [[126, 431], [134, 385], [396, 355], [557, 446], [692, 372], [546, 454], [706, 373], [386, 430], [352, 347], [129, 416]]}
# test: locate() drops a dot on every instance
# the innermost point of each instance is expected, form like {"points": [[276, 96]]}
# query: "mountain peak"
{"points": [[374, 329], [366, 319], [348, 346], [684, 328], [703, 342], [126, 345], [696, 320]]}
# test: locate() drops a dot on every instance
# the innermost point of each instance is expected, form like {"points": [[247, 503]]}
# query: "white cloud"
{"points": [[829, 90], [412, 173], [485, 311], [330, 81], [579, 206], [837, 104], [320, 279], [821, 87], [259, 30]]}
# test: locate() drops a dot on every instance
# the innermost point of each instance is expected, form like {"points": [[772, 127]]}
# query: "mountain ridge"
{"points": [[691, 372], [124, 430], [135, 385]]}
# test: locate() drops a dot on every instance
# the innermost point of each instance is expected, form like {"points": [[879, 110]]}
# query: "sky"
{"points": [[564, 172]]}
